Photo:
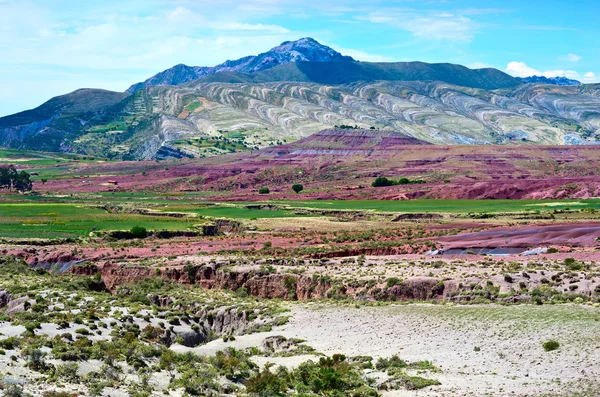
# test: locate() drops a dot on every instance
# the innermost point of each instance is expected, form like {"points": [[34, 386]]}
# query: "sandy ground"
{"points": [[511, 360]]}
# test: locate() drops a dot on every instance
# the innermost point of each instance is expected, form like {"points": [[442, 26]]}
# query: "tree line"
{"points": [[11, 179]]}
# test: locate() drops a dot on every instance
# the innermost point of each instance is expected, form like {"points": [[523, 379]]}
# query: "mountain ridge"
{"points": [[557, 80], [305, 49], [348, 72]]}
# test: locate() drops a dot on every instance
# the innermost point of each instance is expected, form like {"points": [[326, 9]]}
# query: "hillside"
{"points": [[350, 72], [203, 118], [52, 125]]}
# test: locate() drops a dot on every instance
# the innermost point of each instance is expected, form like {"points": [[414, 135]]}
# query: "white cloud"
{"points": [[362, 56], [429, 25], [590, 77], [520, 69], [478, 65], [570, 74], [237, 26], [570, 58]]}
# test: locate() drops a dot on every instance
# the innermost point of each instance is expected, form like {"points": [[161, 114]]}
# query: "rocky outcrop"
{"points": [[268, 286], [14, 305], [4, 298], [421, 288], [18, 305]]}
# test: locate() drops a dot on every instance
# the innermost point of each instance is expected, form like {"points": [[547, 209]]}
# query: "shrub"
{"points": [[550, 345], [264, 190], [297, 188], [572, 264], [390, 282], [241, 292], [381, 181], [139, 232]]}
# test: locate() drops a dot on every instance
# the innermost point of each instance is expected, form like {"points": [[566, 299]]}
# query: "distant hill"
{"points": [[303, 50], [549, 80], [80, 101], [349, 72], [309, 61], [346, 141]]}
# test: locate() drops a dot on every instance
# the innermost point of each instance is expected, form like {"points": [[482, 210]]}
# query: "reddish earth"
{"points": [[569, 234], [342, 164], [277, 285]]}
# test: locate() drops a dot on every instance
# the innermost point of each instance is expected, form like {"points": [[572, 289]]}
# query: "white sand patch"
{"points": [[511, 358]]}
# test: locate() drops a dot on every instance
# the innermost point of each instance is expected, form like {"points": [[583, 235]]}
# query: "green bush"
{"points": [[551, 345], [139, 232], [264, 190], [572, 264], [390, 282], [383, 181], [297, 188]]}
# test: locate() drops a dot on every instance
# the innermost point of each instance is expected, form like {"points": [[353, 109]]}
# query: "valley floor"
{"points": [[486, 350]]}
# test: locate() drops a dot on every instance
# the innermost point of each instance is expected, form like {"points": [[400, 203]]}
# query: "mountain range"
{"points": [[549, 80], [303, 50], [295, 90]]}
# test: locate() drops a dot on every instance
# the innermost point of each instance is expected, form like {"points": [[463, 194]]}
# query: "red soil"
{"points": [[569, 234], [452, 172]]}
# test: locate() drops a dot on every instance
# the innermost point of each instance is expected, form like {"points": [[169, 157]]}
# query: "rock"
{"points": [[191, 338], [276, 342], [18, 305], [4, 298]]}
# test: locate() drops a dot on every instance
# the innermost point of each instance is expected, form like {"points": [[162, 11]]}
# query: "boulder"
{"points": [[18, 305], [191, 338], [4, 298]]}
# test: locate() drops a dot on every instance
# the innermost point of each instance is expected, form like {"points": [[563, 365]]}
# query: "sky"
{"points": [[52, 47]]}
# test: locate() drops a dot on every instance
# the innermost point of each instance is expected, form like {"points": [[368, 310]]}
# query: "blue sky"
{"points": [[52, 47]]}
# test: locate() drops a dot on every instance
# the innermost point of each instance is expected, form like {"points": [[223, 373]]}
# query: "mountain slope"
{"points": [[80, 101], [209, 118], [303, 50], [52, 125], [349, 72], [549, 80]]}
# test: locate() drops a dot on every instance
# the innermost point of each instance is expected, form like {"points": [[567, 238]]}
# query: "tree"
{"points": [[4, 178], [10, 179], [382, 181], [297, 188], [264, 190], [139, 232], [22, 183]]}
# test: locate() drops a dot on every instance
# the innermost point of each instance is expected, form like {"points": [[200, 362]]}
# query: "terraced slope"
{"points": [[203, 118]]}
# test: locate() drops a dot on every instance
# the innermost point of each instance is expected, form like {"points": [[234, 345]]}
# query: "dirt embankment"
{"points": [[268, 285]]}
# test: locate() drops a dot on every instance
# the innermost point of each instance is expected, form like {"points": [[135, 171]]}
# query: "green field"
{"points": [[446, 206], [36, 216], [42, 220], [243, 213], [42, 159], [57, 220]]}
